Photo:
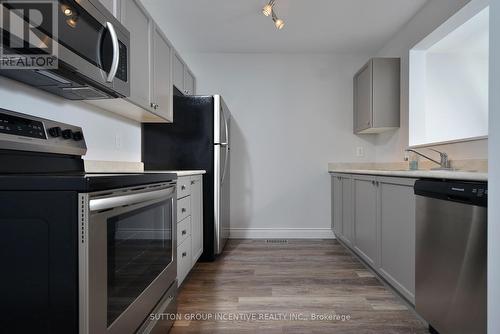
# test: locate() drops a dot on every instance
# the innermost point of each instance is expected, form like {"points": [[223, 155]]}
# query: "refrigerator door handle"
{"points": [[225, 163]]}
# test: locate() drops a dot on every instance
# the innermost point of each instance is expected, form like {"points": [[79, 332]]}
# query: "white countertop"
{"points": [[435, 174], [179, 173]]}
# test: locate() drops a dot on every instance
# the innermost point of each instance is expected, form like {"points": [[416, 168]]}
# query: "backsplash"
{"points": [[108, 137]]}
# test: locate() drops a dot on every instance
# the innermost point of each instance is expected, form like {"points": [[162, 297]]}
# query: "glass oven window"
{"points": [[139, 249]]}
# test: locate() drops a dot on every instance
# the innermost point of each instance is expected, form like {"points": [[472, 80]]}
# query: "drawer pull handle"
{"points": [[192, 182], [184, 232], [183, 210], [183, 187], [184, 254]]}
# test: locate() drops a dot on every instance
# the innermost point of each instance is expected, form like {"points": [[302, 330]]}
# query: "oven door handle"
{"points": [[98, 204], [116, 52]]}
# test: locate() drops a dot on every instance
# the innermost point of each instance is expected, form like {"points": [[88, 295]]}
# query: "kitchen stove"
{"points": [[72, 243]]}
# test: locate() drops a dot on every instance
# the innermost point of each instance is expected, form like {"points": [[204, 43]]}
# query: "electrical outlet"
{"points": [[118, 141], [360, 151]]}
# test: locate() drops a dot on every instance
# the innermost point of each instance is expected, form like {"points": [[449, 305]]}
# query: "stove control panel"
{"points": [[29, 133]]}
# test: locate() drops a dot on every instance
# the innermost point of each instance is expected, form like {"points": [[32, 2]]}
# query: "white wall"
{"points": [[292, 114], [494, 175], [457, 98], [449, 79], [390, 146], [100, 128]]}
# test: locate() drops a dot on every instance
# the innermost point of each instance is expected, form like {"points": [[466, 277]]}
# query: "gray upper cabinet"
{"points": [[397, 234], [162, 87], [137, 21], [363, 98], [183, 78], [365, 218], [377, 96], [189, 83], [113, 6], [178, 73], [153, 68]]}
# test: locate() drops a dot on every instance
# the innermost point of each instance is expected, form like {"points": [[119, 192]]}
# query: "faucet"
{"points": [[444, 162]]}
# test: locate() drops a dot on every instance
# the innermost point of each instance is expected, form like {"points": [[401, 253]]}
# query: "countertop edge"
{"points": [[455, 175], [179, 173]]}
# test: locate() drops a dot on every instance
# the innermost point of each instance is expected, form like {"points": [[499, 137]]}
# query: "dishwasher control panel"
{"points": [[474, 193]]}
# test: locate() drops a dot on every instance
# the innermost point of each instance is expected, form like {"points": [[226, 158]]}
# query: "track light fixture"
{"points": [[268, 10], [279, 23]]}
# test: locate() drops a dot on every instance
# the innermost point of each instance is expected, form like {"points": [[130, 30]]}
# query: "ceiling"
{"points": [[311, 26]]}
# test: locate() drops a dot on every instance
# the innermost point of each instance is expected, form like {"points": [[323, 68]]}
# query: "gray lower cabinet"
{"points": [[347, 210], [375, 217], [336, 205], [342, 207], [197, 217], [189, 223], [397, 234], [365, 218]]}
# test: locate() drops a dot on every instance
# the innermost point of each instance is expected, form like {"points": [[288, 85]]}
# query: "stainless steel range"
{"points": [[82, 253]]}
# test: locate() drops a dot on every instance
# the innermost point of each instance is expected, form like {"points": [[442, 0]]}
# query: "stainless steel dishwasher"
{"points": [[451, 241]]}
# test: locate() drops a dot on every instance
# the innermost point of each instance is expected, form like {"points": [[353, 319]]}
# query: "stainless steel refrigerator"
{"points": [[199, 138]]}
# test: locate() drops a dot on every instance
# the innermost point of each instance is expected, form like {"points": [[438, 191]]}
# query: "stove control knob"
{"points": [[77, 136], [55, 132], [67, 134]]}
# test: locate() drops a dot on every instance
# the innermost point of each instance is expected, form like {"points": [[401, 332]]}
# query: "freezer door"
{"points": [[222, 118]]}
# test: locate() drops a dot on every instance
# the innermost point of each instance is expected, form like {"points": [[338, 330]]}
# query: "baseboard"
{"points": [[281, 233]]}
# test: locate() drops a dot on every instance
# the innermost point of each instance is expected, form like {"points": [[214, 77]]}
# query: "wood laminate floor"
{"points": [[273, 283]]}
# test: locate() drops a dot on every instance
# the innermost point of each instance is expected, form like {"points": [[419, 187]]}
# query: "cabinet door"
{"points": [[363, 95], [137, 21], [178, 73], [113, 6], [196, 217], [397, 234], [347, 210], [188, 82], [365, 218], [162, 81], [336, 198]]}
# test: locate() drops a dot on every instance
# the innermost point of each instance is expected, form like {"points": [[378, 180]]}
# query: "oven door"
{"points": [[127, 256]]}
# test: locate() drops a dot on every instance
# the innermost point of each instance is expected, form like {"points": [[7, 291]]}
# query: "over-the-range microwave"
{"points": [[90, 45]]}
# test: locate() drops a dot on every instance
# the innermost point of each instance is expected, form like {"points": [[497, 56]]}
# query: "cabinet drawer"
{"points": [[183, 208], [183, 186], [184, 260], [183, 230]]}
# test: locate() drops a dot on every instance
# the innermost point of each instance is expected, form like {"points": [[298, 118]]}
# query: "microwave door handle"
{"points": [[98, 204], [116, 52]]}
